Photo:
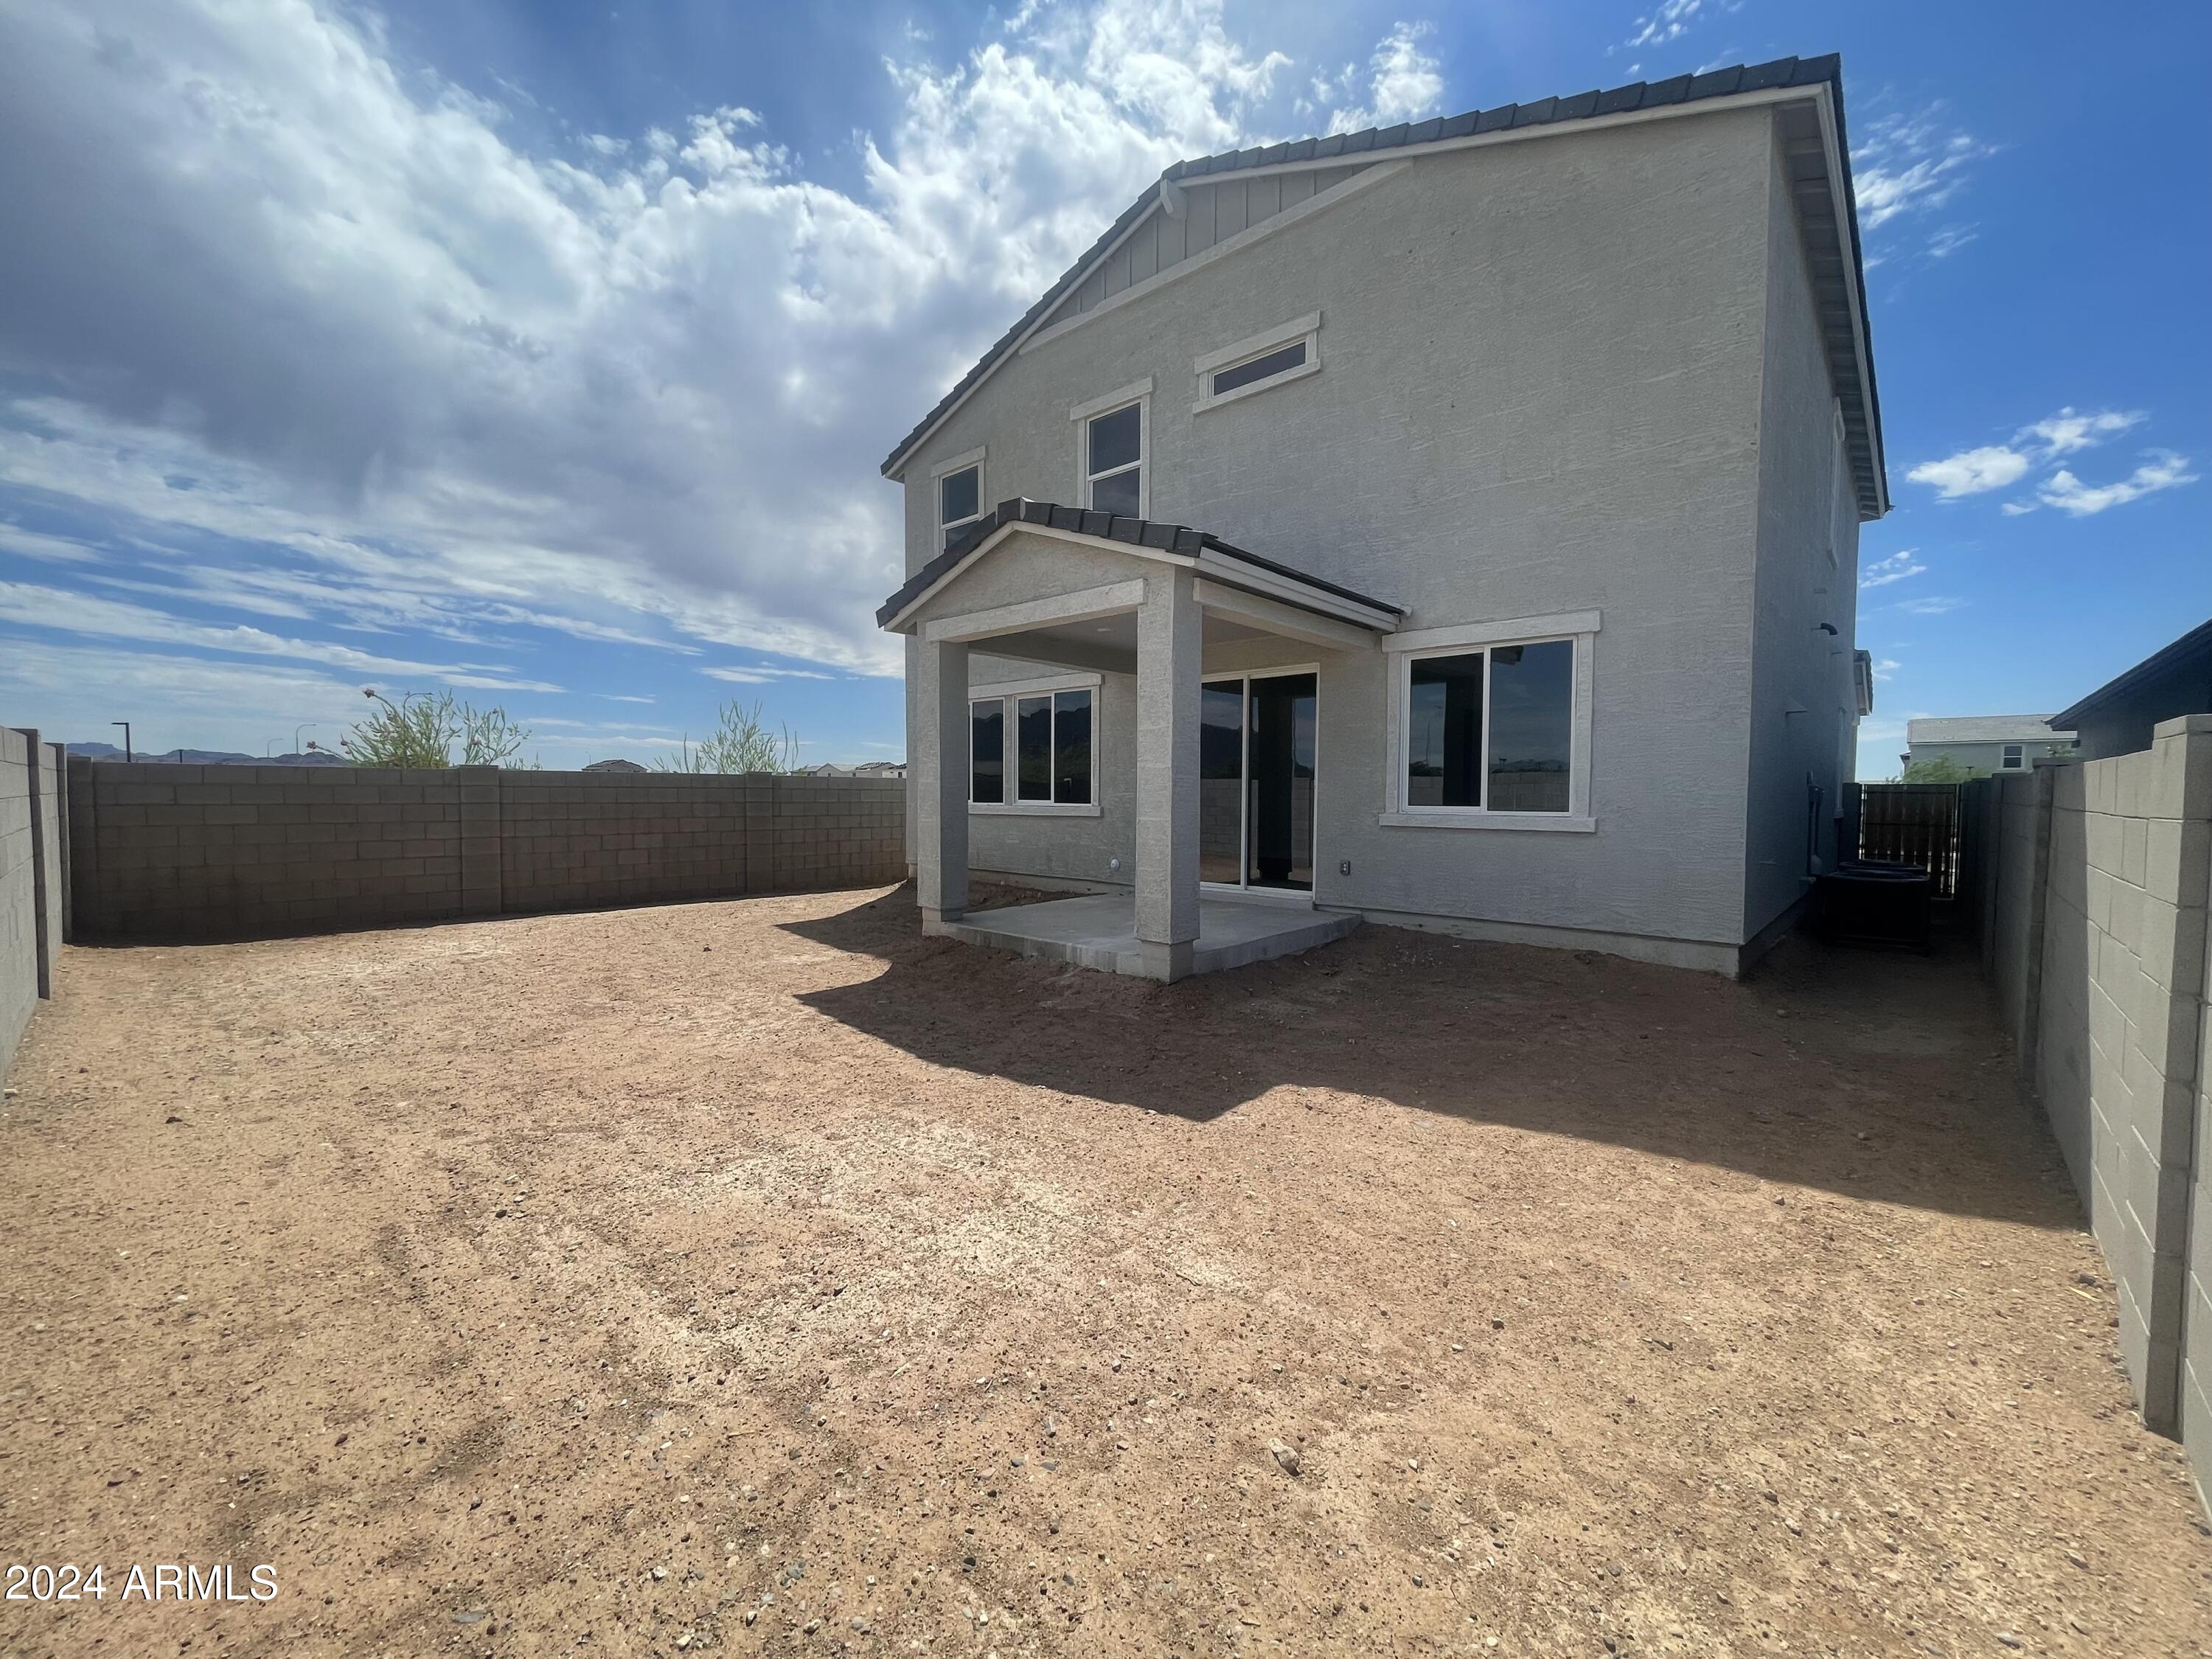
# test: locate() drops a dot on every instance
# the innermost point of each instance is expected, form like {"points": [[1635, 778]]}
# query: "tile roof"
{"points": [[1110, 526], [1739, 78]]}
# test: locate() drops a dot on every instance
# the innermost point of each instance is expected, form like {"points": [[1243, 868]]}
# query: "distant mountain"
{"points": [[102, 751]]}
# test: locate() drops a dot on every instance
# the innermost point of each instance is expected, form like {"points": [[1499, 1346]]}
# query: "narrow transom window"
{"points": [[1114, 460], [1264, 367], [1290, 351], [959, 502]]}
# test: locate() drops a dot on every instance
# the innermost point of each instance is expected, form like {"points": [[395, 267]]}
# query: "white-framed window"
{"points": [[1273, 358], [1114, 441], [2015, 757], [1032, 747], [1490, 724], [957, 485]]}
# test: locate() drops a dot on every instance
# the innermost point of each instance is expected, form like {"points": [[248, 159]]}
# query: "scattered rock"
{"points": [[2009, 1639], [1286, 1455]]}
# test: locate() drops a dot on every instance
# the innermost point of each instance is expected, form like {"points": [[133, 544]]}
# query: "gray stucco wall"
{"points": [[1542, 392], [1803, 701]]}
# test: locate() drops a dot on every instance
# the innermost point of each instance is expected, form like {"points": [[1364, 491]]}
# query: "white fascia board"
{"points": [[1256, 579], [1505, 630]]}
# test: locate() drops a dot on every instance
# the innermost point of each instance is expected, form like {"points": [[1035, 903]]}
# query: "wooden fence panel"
{"points": [[1914, 823]]}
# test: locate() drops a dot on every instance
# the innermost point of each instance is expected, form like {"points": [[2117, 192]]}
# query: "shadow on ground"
{"points": [[1876, 1076]]}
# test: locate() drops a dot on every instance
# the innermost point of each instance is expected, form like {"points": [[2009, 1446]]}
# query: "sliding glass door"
{"points": [[1256, 736]]}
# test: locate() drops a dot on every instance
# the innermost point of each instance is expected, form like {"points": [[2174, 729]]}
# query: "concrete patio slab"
{"points": [[1099, 930]]}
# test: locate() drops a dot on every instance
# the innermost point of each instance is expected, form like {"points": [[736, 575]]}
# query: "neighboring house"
{"points": [[2116, 718], [825, 770], [615, 765], [1986, 743], [880, 769], [1456, 525]]}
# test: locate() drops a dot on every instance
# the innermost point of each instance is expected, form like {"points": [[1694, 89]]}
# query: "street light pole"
{"points": [[125, 725]]}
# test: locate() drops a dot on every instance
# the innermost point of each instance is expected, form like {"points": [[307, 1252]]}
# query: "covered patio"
{"points": [[1055, 585]]}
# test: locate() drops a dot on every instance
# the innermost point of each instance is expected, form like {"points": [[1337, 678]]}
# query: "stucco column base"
{"points": [[1168, 962], [935, 920]]}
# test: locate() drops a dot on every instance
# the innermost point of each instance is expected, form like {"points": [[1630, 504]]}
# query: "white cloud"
{"points": [[29, 605], [633, 389], [1914, 165], [34, 544], [1971, 471], [1669, 21], [1929, 607], [1895, 568], [2066, 431], [1405, 83], [1885, 668], [2164, 471], [757, 676], [2041, 443]]}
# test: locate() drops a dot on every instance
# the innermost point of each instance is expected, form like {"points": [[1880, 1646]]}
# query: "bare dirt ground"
{"points": [[761, 1276]]}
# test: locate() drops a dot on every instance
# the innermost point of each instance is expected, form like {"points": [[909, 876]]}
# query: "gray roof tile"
{"points": [[1110, 526]]}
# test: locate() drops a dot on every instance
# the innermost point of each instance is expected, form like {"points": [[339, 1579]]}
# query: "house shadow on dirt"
{"points": [[1876, 1076]]}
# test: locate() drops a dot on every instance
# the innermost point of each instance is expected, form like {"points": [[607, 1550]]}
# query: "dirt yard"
{"points": [[760, 1276]]}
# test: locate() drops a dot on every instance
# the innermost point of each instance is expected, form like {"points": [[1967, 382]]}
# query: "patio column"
{"points": [[1168, 639], [940, 789]]}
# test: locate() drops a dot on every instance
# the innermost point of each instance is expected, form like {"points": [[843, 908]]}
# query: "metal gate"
{"points": [[1914, 823]]}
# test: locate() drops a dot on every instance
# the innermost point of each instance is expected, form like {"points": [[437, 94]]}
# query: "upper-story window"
{"points": [[2015, 757], [1276, 357], [1116, 474], [959, 495], [1113, 432]]}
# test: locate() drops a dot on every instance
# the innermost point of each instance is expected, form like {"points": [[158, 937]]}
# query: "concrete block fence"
{"points": [[208, 852], [2097, 933], [34, 879]]}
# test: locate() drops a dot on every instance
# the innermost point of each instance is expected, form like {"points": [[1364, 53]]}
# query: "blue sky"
{"points": [[547, 351]]}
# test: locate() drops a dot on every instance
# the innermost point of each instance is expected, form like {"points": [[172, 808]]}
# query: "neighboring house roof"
{"points": [[1178, 539], [878, 766], [2194, 644], [1839, 282], [616, 765], [1987, 728]]}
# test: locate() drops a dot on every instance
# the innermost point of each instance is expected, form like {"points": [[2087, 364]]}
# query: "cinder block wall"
{"points": [[237, 851], [34, 909], [2101, 952], [19, 937]]}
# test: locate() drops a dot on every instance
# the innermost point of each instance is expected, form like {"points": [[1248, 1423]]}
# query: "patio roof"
{"points": [[1178, 543]]}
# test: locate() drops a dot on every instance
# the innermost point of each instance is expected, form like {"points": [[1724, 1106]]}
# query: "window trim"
{"points": [[1138, 392], [1580, 627], [942, 470], [1009, 693], [1306, 329]]}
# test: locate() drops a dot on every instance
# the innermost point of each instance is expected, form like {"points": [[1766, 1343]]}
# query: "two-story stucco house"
{"points": [[1454, 526]]}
